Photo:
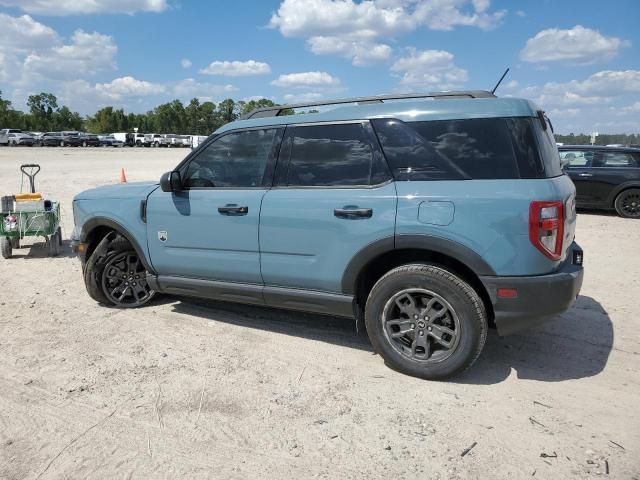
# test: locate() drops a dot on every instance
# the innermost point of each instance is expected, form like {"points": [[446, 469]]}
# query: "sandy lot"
{"points": [[196, 389]]}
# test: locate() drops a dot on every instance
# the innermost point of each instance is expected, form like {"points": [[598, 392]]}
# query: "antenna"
{"points": [[500, 81]]}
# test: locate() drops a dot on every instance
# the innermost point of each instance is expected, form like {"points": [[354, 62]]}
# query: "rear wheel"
{"points": [[55, 243], [5, 247], [15, 243], [114, 274], [628, 203], [425, 321]]}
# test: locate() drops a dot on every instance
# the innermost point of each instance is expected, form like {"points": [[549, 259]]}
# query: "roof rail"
{"points": [[276, 110]]}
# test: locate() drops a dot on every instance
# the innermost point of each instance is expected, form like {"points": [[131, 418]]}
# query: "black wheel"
{"points": [[628, 203], [15, 243], [425, 321], [5, 247], [54, 243], [114, 275]]}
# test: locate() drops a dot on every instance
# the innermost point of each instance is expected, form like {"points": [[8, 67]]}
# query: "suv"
{"points": [[605, 177], [89, 139], [4, 135], [427, 220]]}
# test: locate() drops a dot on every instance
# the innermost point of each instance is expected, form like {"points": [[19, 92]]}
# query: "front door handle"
{"points": [[585, 174], [233, 210], [353, 212]]}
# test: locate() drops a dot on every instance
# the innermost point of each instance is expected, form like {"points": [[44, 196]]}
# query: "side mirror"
{"points": [[171, 182]]}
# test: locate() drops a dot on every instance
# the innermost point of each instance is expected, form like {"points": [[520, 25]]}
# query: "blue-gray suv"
{"points": [[428, 217]]}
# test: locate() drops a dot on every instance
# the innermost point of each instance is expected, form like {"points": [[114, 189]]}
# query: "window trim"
{"points": [[598, 159], [269, 171], [284, 164]]}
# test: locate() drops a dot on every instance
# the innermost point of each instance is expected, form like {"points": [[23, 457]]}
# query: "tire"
{"points": [[55, 241], [15, 243], [627, 203], [102, 274], [62, 144], [430, 348], [5, 247], [84, 144]]}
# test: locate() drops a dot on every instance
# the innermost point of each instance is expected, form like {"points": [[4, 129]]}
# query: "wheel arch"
{"points": [[377, 258], [95, 229]]}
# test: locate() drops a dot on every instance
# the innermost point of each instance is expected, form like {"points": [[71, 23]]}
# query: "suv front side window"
{"points": [[238, 159], [577, 158]]}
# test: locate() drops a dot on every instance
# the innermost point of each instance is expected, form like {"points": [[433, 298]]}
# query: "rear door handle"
{"points": [[353, 212], [585, 174], [233, 210]]}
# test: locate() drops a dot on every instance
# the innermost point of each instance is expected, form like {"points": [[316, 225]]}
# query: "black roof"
{"points": [[597, 147]]}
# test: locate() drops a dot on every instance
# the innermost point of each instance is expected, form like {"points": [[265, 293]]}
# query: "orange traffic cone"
{"points": [[123, 177]]}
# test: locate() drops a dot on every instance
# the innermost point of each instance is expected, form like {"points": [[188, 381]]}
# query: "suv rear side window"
{"points": [[483, 148], [617, 159], [333, 155]]}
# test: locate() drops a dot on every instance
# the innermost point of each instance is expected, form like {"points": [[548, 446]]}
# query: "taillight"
{"points": [[546, 228]]}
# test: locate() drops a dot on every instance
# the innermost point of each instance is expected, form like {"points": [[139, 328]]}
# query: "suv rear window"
{"points": [[482, 148]]}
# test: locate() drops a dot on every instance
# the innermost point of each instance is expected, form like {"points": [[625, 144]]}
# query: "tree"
{"points": [[228, 111], [42, 108], [251, 105]]}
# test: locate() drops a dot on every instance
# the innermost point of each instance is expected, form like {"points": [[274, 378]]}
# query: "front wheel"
{"points": [[628, 203], [115, 276], [426, 321]]}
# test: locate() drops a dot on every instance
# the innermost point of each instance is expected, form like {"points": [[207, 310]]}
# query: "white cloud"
{"points": [[76, 7], [306, 80], [604, 101], [303, 97], [24, 33], [189, 88], [354, 29], [577, 46], [185, 63], [122, 87], [429, 69], [360, 52], [87, 54], [237, 68]]}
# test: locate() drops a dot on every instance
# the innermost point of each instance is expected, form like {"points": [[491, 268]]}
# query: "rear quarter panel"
{"points": [[491, 217]]}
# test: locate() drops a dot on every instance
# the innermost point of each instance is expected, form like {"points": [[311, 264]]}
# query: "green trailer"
{"points": [[18, 222]]}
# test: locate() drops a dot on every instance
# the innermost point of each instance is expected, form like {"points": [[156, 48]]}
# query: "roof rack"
{"points": [[276, 110]]}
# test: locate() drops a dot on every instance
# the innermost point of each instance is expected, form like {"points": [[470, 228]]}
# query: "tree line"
{"points": [[196, 118]]}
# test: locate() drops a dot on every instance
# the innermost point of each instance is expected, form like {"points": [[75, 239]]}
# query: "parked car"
{"points": [[170, 139], [4, 135], [20, 140], [71, 139], [51, 139], [89, 139], [110, 141], [139, 140], [605, 177], [428, 221], [126, 138]]}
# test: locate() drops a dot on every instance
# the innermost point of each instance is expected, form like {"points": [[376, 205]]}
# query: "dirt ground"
{"points": [[194, 389]]}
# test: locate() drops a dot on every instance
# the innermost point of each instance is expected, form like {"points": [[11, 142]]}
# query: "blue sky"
{"points": [[578, 59]]}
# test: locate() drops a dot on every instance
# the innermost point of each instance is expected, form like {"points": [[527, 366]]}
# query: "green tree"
{"points": [[42, 108]]}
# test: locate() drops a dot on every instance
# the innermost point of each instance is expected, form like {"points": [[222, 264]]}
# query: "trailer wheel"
{"points": [[55, 242], [15, 243], [5, 247]]}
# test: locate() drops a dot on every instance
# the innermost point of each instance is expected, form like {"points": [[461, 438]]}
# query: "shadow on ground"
{"points": [[575, 345], [40, 249]]}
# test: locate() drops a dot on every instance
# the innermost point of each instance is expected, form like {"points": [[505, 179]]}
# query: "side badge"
{"points": [[162, 235]]}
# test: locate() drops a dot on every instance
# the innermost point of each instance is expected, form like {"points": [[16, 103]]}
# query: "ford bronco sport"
{"points": [[430, 219]]}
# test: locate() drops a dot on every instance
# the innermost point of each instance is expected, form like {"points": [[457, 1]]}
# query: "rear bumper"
{"points": [[539, 298]]}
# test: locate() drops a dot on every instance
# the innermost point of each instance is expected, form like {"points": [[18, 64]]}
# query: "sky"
{"points": [[578, 59]]}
